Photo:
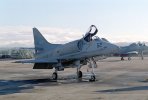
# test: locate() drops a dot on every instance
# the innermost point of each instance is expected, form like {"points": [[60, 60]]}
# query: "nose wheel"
{"points": [[55, 76], [92, 79]]}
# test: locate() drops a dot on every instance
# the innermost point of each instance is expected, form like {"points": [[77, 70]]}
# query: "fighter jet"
{"points": [[132, 50], [73, 54]]}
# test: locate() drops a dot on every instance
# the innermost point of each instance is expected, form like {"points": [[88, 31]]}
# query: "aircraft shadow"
{"points": [[16, 86], [136, 88]]}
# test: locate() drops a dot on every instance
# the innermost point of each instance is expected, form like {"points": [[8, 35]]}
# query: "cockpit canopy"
{"points": [[90, 35], [91, 32]]}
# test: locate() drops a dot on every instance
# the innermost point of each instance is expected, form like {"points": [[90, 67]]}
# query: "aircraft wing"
{"points": [[77, 55], [37, 61]]}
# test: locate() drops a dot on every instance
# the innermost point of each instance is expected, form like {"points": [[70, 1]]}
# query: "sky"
{"points": [[61, 21]]}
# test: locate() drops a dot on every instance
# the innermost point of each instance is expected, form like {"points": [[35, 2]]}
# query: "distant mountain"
{"points": [[123, 43], [128, 43]]}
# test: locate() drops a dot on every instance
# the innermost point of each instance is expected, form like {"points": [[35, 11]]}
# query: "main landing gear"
{"points": [[57, 68], [122, 58], [92, 65], [79, 73]]}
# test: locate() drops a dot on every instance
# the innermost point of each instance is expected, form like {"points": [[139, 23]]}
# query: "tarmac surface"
{"points": [[116, 80]]}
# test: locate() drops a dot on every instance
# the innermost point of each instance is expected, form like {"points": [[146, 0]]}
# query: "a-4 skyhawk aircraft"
{"points": [[73, 54], [132, 50]]}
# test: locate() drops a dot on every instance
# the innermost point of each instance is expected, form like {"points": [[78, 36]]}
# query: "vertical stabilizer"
{"points": [[40, 43]]}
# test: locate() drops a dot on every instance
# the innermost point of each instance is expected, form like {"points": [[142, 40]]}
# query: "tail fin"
{"points": [[41, 44]]}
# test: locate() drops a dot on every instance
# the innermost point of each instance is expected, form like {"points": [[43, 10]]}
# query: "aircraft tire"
{"points": [[122, 58], [54, 76], [92, 79], [80, 74]]}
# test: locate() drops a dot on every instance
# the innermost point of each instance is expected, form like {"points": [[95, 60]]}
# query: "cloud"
{"points": [[16, 36], [124, 37], [21, 36]]}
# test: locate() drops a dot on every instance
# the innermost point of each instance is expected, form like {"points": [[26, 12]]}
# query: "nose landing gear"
{"points": [[92, 65]]}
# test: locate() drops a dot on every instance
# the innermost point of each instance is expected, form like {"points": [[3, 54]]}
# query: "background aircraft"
{"points": [[73, 54], [132, 50]]}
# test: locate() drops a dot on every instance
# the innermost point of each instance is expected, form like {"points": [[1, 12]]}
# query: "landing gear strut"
{"points": [[129, 58], [93, 65], [55, 74], [142, 58], [79, 73]]}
